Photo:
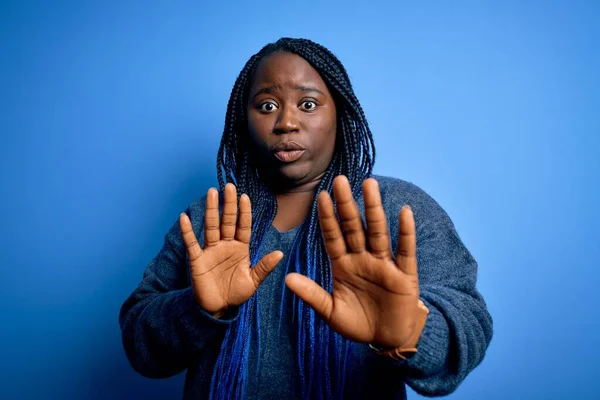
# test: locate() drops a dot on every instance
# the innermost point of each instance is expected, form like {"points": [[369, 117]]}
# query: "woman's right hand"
{"points": [[221, 273]]}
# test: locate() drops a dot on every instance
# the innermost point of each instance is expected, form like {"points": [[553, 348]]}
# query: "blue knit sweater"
{"points": [[165, 332]]}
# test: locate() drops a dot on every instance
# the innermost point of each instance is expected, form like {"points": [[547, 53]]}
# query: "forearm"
{"points": [[453, 342], [459, 327], [163, 328], [163, 333]]}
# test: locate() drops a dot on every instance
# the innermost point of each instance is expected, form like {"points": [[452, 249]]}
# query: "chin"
{"points": [[294, 176], [295, 173]]}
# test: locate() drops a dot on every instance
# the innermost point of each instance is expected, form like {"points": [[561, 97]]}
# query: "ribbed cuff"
{"points": [[432, 348]]}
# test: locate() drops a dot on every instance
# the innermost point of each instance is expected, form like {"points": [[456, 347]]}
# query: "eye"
{"points": [[308, 105], [267, 107]]}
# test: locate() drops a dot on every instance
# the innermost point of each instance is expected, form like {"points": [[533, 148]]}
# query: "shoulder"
{"points": [[195, 212], [398, 188], [395, 193]]}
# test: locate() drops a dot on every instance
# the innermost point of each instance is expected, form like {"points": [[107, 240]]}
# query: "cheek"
{"points": [[327, 132]]}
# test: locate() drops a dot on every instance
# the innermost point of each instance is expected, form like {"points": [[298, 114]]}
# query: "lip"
{"points": [[287, 146], [289, 155], [288, 152]]}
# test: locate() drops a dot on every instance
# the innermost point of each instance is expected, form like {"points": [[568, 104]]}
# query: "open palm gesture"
{"points": [[375, 297], [221, 273]]}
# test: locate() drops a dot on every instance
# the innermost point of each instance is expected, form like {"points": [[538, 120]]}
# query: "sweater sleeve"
{"points": [[459, 328], [163, 328]]}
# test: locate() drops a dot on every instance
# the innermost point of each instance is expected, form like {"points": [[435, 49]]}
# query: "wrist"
{"points": [[409, 348]]}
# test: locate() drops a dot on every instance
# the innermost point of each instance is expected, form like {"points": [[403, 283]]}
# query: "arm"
{"points": [[375, 297], [459, 328], [163, 328]]}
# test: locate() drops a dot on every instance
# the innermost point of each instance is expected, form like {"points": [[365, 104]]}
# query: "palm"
{"points": [[366, 301], [374, 297], [221, 273]]}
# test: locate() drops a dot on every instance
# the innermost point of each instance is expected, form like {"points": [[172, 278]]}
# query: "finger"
{"points": [[211, 219], [244, 227], [312, 294], [330, 228], [189, 238], [406, 257], [377, 228], [229, 217], [265, 266], [348, 211]]}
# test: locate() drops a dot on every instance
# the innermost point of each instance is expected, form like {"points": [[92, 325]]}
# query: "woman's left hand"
{"points": [[375, 298]]}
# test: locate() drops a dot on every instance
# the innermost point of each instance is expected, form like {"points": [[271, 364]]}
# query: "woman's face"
{"points": [[291, 120]]}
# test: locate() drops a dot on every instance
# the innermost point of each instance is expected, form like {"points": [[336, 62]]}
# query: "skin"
{"points": [[289, 101], [375, 295]]}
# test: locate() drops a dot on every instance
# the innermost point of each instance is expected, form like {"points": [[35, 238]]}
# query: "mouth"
{"points": [[288, 152], [288, 156]]}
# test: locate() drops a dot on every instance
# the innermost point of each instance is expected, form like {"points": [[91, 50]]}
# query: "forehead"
{"points": [[285, 69]]}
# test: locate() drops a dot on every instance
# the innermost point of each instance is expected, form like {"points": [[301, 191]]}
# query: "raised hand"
{"points": [[375, 298], [221, 273]]}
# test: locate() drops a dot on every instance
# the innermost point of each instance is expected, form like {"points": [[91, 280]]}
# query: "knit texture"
{"points": [[165, 332]]}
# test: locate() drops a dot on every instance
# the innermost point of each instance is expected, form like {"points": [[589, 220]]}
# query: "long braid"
{"points": [[322, 354]]}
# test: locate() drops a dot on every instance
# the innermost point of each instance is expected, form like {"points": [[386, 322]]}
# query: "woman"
{"points": [[358, 318]]}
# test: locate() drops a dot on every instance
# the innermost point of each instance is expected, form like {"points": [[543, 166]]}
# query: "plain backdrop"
{"points": [[110, 118]]}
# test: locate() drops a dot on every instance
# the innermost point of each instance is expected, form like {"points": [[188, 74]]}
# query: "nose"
{"points": [[287, 121]]}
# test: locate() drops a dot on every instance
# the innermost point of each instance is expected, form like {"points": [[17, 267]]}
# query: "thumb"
{"points": [[312, 294], [265, 266]]}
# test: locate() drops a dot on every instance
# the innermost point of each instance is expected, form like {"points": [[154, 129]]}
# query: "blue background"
{"points": [[110, 119]]}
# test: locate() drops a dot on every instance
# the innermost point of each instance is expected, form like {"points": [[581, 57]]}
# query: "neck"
{"points": [[293, 203]]}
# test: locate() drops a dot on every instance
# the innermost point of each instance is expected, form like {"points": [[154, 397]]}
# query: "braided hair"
{"points": [[321, 353]]}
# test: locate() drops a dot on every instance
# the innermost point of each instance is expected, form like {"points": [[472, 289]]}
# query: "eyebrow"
{"points": [[309, 89], [274, 88]]}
